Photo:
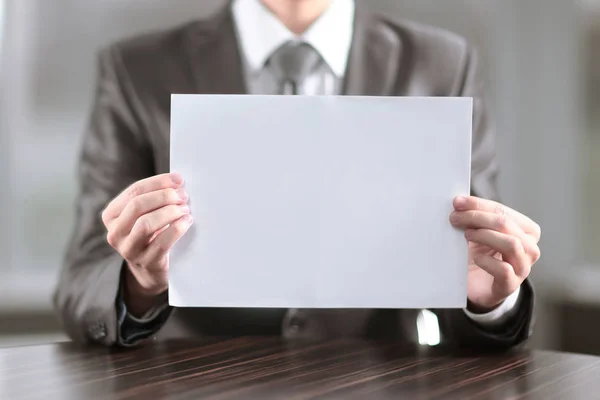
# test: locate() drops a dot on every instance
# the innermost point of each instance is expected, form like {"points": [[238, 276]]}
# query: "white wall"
{"points": [[4, 162], [539, 63]]}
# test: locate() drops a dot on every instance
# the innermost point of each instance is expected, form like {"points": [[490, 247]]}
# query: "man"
{"points": [[131, 210]]}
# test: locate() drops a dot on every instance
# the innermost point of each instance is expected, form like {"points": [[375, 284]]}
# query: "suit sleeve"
{"points": [[131, 330], [114, 154], [456, 326]]}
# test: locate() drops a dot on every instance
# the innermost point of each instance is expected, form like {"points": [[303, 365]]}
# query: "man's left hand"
{"points": [[503, 246]]}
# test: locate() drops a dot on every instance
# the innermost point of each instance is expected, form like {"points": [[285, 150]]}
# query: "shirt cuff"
{"points": [[150, 315], [500, 314]]}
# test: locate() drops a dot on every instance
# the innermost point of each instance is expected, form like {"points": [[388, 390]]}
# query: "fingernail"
{"points": [[188, 218], [454, 217], [182, 194], [184, 209], [176, 178], [460, 201], [469, 234]]}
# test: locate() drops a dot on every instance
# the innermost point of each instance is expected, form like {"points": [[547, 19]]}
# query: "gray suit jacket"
{"points": [[128, 139]]}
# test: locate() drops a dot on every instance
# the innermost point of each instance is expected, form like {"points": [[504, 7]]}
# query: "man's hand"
{"points": [[503, 246], [143, 223]]}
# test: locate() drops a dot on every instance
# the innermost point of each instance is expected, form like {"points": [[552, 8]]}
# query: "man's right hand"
{"points": [[143, 223]]}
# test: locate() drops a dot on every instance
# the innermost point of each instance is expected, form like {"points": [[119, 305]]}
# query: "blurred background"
{"points": [[542, 63]]}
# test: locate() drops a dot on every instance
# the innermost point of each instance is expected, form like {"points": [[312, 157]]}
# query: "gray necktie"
{"points": [[291, 64]]}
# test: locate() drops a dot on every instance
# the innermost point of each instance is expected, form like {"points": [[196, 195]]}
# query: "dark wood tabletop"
{"points": [[265, 368]]}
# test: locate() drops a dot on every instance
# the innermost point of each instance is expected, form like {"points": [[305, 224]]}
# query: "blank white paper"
{"points": [[320, 201]]}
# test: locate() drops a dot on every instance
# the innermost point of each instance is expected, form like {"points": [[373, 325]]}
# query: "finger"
{"points": [[475, 219], [144, 204], [512, 249], [476, 203], [158, 232], [504, 275], [145, 227], [164, 242], [163, 181]]}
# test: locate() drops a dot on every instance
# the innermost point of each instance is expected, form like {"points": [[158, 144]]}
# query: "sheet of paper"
{"points": [[320, 202]]}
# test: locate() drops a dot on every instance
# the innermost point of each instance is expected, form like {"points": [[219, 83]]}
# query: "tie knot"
{"points": [[293, 62]]}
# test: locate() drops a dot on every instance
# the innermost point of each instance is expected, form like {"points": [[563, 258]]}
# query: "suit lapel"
{"points": [[374, 57], [216, 64], [215, 60]]}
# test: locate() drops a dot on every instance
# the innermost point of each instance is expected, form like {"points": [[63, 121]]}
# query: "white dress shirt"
{"points": [[260, 33]]}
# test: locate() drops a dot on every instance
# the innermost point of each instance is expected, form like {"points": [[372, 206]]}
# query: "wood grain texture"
{"points": [[266, 368]]}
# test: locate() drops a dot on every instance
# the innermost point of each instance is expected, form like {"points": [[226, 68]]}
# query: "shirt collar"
{"points": [[260, 33]]}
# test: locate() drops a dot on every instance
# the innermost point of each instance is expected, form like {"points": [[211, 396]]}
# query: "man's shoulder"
{"points": [[435, 59], [427, 44], [427, 38], [149, 43], [159, 47]]}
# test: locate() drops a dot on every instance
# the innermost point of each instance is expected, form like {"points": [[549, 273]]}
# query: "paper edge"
{"points": [[176, 301]]}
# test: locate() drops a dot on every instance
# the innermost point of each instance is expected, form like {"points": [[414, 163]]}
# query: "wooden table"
{"points": [[265, 368]]}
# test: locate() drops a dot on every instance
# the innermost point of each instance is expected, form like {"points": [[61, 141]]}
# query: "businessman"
{"points": [[132, 209]]}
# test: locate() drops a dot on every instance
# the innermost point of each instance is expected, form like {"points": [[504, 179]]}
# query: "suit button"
{"points": [[296, 324], [98, 331]]}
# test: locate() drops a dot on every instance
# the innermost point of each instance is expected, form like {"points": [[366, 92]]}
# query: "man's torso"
{"points": [[386, 59]]}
